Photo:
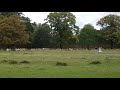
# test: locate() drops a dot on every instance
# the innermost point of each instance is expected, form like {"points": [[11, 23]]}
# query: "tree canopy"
{"points": [[110, 24], [42, 36], [87, 36], [63, 25], [58, 31], [12, 31]]}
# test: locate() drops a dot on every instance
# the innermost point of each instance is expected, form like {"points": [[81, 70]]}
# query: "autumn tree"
{"points": [[7, 14], [110, 24], [63, 26], [12, 31], [25, 20]]}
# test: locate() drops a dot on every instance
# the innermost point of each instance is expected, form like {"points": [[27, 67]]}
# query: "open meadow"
{"points": [[60, 64]]}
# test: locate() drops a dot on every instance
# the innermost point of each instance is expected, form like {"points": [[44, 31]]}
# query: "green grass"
{"points": [[42, 64]]}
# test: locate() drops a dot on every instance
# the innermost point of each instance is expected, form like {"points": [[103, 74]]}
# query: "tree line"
{"points": [[58, 31]]}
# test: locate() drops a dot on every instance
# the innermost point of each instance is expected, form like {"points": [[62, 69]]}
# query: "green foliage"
{"points": [[29, 29], [24, 62], [7, 14], [27, 22], [13, 62], [61, 64], [110, 24], [96, 62], [73, 40], [63, 26], [117, 34], [87, 36], [42, 36], [100, 39], [58, 31], [3, 61]]}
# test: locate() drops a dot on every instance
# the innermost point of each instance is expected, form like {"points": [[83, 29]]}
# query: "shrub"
{"points": [[25, 53], [83, 58], [13, 62], [61, 64], [3, 61], [25, 62], [96, 62]]}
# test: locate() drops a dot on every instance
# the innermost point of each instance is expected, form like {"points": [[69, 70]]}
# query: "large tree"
{"points": [[63, 26], [11, 13], [29, 29], [42, 37], [110, 24], [12, 31], [87, 36], [29, 26], [25, 20], [100, 39]]}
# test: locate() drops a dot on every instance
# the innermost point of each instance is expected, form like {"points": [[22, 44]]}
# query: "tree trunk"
{"points": [[61, 43], [88, 47], [13, 47], [61, 46], [111, 43]]}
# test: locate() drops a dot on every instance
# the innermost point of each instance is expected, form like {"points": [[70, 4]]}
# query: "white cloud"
{"points": [[82, 18]]}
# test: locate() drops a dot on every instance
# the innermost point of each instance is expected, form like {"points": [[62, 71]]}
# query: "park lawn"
{"points": [[43, 64]]}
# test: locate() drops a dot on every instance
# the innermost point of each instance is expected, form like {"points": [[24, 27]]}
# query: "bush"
{"points": [[96, 62], [25, 62], [61, 64], [25, 53], [83, 58], [3, 61], [13, 62]]}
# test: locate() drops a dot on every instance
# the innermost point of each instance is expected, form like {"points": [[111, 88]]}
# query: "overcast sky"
{"points": [[82, 18]]}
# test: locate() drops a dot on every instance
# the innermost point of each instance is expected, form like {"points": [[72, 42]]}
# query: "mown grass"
{"points": [[42, 64]]}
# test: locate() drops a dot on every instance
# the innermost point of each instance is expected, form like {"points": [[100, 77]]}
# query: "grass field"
{"points": [[42, 64]]}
